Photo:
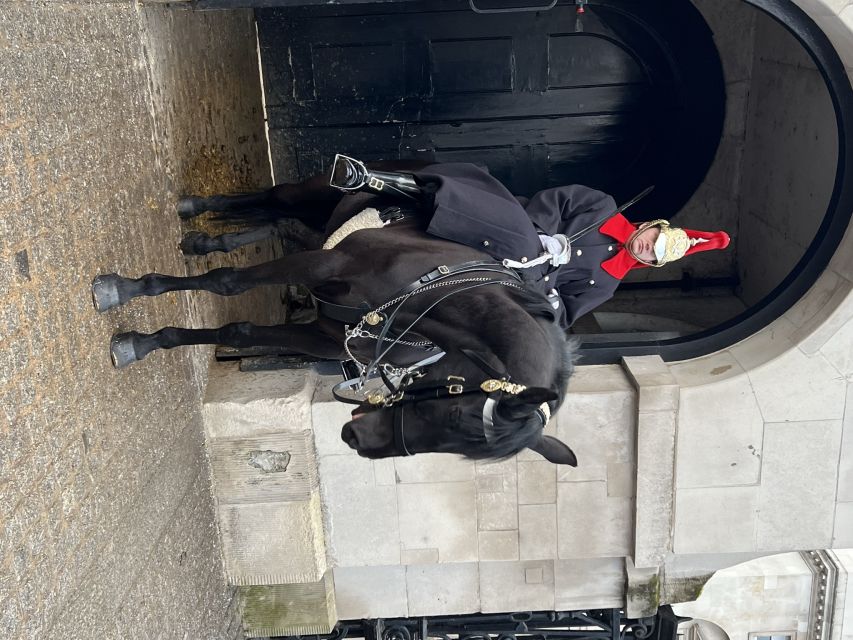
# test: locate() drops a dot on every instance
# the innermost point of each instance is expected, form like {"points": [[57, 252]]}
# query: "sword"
{"points": [[637, 198], [601, 221]]}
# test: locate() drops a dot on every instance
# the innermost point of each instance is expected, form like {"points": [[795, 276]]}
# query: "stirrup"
{"points": [[351, 175]]}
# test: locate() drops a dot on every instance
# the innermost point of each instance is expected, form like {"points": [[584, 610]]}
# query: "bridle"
{"points": [[407, 389]]}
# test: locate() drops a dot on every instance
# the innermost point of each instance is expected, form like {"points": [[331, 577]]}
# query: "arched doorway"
{"points": [[631, 95], [793, 204]]}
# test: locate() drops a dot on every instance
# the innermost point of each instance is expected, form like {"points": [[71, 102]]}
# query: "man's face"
{"points": [[643, 245]]}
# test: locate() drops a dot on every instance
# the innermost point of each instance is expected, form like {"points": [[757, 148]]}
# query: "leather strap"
{"points": [[352, 315]]}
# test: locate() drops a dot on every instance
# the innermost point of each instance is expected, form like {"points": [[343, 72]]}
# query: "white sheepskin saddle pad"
{"points": [[367, 219]]}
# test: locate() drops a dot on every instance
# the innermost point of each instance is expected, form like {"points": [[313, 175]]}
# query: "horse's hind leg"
{"points": [[310, 268], [280, 198], [309, 339], [197, 243], [313, 191]]}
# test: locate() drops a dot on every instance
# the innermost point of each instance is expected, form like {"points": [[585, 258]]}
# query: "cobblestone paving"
{"points": [[108, 111]]}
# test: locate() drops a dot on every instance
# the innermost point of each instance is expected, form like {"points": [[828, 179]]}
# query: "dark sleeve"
{"points": [[551, 209], [579, 303]]}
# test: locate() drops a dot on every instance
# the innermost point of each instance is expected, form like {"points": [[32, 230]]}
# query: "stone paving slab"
{"points": [[109, 111]]}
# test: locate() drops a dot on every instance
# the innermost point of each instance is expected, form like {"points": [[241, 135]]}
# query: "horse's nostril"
{"points": [[348, 436]]}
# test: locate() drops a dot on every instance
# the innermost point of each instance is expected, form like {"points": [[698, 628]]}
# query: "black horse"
{"points": [[474, 363]]}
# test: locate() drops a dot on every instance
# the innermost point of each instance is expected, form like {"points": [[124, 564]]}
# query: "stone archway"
{"points": [[821, 183]]}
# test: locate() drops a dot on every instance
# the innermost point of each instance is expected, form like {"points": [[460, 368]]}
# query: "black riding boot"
{"points": [[351, 175]]}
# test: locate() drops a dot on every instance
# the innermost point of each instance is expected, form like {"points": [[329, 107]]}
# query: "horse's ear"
{"points": [[514, 407], [554, 450]]}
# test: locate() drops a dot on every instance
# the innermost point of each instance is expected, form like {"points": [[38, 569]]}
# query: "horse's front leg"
{"points": [[308, 339], [310, 268]]}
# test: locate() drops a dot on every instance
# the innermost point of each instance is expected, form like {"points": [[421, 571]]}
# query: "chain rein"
{"points": [[358, 330]]}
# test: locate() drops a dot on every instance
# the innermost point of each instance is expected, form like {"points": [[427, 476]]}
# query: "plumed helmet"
{"points": [[674, 243]]}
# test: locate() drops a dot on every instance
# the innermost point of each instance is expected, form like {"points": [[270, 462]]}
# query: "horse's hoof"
{"points": [[105, 293], [192, 244], [122, 350], [189, 207]]}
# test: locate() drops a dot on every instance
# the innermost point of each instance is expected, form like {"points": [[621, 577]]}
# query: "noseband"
{"points": [[405, 391], [454, 386]]}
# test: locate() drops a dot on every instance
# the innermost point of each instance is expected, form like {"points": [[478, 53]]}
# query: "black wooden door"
{"points": [[630, 95]]}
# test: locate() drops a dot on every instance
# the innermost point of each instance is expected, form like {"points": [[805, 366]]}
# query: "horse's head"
{"points": [[468, 426], [463, 404]]}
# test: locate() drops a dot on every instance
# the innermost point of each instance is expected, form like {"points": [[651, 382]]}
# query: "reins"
{"points": [[405, 391], [441, 276]]}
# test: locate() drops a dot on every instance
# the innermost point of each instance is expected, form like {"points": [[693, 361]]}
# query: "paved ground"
{"points": [[107, 112]]}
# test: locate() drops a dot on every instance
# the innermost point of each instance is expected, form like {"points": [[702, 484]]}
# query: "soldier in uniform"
{"points": [[472, 207]]}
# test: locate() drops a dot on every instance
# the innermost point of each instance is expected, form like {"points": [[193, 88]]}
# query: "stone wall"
{"points": [[789, 163], [108, 111], [771, 594], [437, 534]]}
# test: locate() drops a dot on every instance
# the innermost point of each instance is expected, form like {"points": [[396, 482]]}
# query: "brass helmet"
{"points": [[671, 244]]}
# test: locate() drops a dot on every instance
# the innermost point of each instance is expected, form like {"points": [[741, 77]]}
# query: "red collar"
{"points": [[618, 228]]}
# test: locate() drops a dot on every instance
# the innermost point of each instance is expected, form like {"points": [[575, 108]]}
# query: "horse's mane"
{"points": [[509, 436]]}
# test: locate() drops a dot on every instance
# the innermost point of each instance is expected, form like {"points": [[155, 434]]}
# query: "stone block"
{"points": [[599, 379], [836, 294], [654, 489], [657, 388], [537, 482], [359, 536], [273, 543], [621, 480], [498, 545], [238, 405], [371, 592], [591, 525], [709, 369], [600, 428], [419, 556], [845, 469], [537, 531], [815, 300], [720, 433], [643, 593], [798, 485], [842, 537], [328, 416], [383, 472], [838, 349], [796, 387], [497, 510], [434, 467], [439, 515], [443, 589], [715, 520], [288, 609], [725, 172], [491, 484], [517, 586], [589, 583], [764, 346], [268, 468], [737, 104], [733, 25]]}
